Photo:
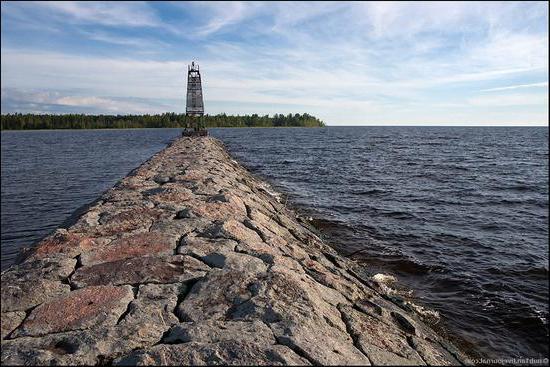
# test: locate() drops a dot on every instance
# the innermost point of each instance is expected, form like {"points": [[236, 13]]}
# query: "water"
{"points": [[47, 175], [459, 215]]}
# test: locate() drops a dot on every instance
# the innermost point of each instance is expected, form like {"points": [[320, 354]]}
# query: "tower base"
{"points": [[191, 133]]}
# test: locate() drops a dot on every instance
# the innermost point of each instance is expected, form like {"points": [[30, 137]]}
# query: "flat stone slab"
{"points": [[81, 309], [191, 260], [139, 244], [62, 242], [127, 220], [216, 342], [145, 269], [33, 282]]}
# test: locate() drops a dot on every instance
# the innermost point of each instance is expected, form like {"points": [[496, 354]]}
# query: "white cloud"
{"points": [[136, 42], [45, 101], [510, 100], [406, 19], [223, 14], [123, 13], [518, 86]]}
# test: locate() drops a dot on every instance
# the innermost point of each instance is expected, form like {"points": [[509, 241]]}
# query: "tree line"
{"points": [[18, 121]]}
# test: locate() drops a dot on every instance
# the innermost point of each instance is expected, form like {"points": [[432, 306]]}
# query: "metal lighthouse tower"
{"points": [[194, 109]]}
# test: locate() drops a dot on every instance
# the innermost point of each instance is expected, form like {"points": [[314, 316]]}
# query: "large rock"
{"points": [[11, 320], [79, 309], [383, 343], [139, 244], [29, 284], [136, 218], [21, 296], [145, 269], [229, 352], [63, 243], [234, 230], [217, 342], [220, 207], [146, 319]]}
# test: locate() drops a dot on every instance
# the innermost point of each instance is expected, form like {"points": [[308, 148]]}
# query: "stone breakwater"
{"points": [[191, 260]]}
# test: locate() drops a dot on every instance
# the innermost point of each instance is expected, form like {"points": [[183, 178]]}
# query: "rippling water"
{"points": [[459, 215], [47, 175]]}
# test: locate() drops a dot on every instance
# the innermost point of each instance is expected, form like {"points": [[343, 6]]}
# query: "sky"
{"points": [[348, 63]]}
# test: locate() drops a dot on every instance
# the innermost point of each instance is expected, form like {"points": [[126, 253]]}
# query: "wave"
{"points": [[536, 271], [369, 192], [397, 214]]}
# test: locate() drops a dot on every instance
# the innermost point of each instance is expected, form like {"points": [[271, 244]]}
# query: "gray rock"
{"points": [[23, 295], [77, 310], [216, 343], [11, 320], [71, 348], [185, 213], [228, 352], [217, 331], [382, 342], [161, 179], [144, 269]]}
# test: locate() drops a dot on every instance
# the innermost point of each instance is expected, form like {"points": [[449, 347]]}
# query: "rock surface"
{"points": [[191, 260]]}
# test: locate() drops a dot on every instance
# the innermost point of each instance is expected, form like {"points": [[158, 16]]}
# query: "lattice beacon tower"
{"points": [[194, 109]]}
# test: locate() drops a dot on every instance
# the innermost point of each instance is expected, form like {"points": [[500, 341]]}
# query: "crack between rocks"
{"points": [[332, 259], [102, 360], [312, 273], [77, 266], [164, 335], [293, 234], [188, 234], [411, 344], [452, 353], [151, 225], [353, 336], [231, 310], [128, 306], [182, 296], [309, 272], [248, 210], [51, 333], [250, 225], [197, 257], [380, 318], [296, 349], [244, 252], [362, 281], [27, 313]]}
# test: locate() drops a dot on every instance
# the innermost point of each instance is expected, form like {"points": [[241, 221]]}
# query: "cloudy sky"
{"points": [[349, 63]]}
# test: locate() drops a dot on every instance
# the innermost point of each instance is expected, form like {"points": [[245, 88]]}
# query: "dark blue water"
{"points": [[47, 175], [459, 215]]}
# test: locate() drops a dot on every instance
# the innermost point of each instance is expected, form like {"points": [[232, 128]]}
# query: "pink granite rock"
{"points": [[62, 242], [145, 269], [81, 309], [140, 244]]}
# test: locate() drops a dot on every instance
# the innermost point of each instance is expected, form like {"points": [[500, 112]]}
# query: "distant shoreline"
{"points": [[179, 127], [280, 127], [18, 121]]}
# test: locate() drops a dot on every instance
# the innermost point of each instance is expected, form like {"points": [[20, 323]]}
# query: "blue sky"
{"points": [[349, 63]]}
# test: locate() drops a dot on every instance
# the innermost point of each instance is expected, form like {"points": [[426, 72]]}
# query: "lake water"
{"points": [[459, 215]]}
